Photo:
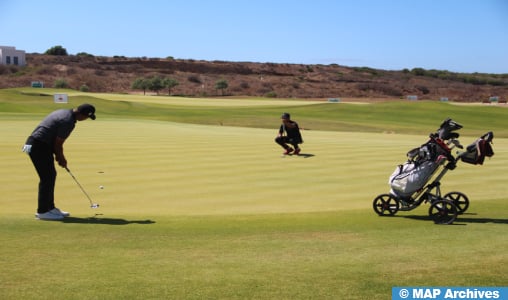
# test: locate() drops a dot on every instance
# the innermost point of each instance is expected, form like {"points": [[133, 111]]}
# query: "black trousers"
{"points": [[283, 140], [43, 161]]}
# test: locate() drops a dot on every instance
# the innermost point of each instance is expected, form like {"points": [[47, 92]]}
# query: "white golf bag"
{"points": [[412, 176]]}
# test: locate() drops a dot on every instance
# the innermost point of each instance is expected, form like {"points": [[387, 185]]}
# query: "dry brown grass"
{"points": [[198, 78]]}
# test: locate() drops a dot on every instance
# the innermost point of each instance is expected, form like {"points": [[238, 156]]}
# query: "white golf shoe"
{"points": [[57, 211], [49, 216]]}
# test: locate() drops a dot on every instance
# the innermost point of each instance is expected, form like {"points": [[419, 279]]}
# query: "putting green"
{"points": [[164, 168]]}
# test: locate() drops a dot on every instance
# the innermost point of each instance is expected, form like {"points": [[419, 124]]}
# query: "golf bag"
{"points": [[477, 151], [418, 169], [423, 161]]}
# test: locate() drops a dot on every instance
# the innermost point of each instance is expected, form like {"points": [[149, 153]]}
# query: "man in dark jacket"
{"points": [[289, 133], [44, 144]]}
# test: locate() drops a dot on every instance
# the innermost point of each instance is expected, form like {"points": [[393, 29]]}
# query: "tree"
{"points": [[221, 84], [169, 83], [156, 84], [140, 84], [418, 71], [56, 50]]}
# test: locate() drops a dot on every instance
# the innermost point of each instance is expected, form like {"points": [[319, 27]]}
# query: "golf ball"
{"points": [[101, 187]]}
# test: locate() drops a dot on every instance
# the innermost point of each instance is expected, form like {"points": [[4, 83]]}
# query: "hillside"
{"points": [[198, 78]]}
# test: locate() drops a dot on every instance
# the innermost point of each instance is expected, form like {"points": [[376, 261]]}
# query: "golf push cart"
{"points": [[419, 179]]}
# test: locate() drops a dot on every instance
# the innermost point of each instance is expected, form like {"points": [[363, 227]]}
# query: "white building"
{"points": [[11, 56]]}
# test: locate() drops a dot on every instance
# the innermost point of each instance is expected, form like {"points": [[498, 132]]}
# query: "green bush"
{"points": [[84, 88], [56, 50], [61, 84], [418, 71], [84, 54], [271, 94]]}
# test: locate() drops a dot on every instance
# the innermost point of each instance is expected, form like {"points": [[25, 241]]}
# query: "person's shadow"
{"points": [[304, 155], [104, 221]]}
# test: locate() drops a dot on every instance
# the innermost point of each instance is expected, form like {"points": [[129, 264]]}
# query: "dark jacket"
{"points": [[293, 133]]}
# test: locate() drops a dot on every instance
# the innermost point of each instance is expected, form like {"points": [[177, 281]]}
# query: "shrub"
{"points": [[194, 78], [3, 70], [496, 82], [8, 69], [84, 54], [367, 70], [84, 88], [271, 94], [418, 71], [423, 89], [14, 69], [61, 84]]}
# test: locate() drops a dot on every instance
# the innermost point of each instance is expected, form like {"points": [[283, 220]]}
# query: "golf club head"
{"points": [[445, 130], [95, 205], [457, 144]]}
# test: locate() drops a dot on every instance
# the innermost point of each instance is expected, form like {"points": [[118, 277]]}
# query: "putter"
{"points": [[92, 205]]}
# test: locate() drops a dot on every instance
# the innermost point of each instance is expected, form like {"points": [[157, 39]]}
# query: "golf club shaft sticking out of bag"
{"points": [[92, 205]]}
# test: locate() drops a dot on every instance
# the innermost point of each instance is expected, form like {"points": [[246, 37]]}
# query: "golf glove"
{"points": [[27, 149]]}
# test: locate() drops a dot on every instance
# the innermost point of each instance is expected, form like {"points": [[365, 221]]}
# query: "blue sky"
{"points": [[455, 35]]}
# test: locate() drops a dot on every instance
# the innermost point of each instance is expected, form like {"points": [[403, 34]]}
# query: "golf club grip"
{"points": [[72, 175]]}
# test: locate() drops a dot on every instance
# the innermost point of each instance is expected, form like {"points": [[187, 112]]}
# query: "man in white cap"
{"points": [[45, 145]]}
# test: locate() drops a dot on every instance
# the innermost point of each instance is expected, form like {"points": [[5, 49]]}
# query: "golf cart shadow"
{"points": [[104, 221], [461, 219]]}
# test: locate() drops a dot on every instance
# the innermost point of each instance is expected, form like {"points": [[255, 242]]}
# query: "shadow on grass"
{"points": [[461, 219], [104, 221], [304, 155]]}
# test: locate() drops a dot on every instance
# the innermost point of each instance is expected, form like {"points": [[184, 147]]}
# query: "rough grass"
{"points": [[198, 211]]}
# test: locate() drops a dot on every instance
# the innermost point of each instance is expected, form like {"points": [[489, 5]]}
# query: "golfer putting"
{"points": [[45, 144], [289, 133]]}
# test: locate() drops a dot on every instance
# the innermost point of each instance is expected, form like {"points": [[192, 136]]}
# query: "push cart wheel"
{"points": [[443, 211], [459, 199], [385, 205]]}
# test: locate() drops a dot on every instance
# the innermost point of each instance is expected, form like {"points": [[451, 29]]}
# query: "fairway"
{"points": [[190, 211]]}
